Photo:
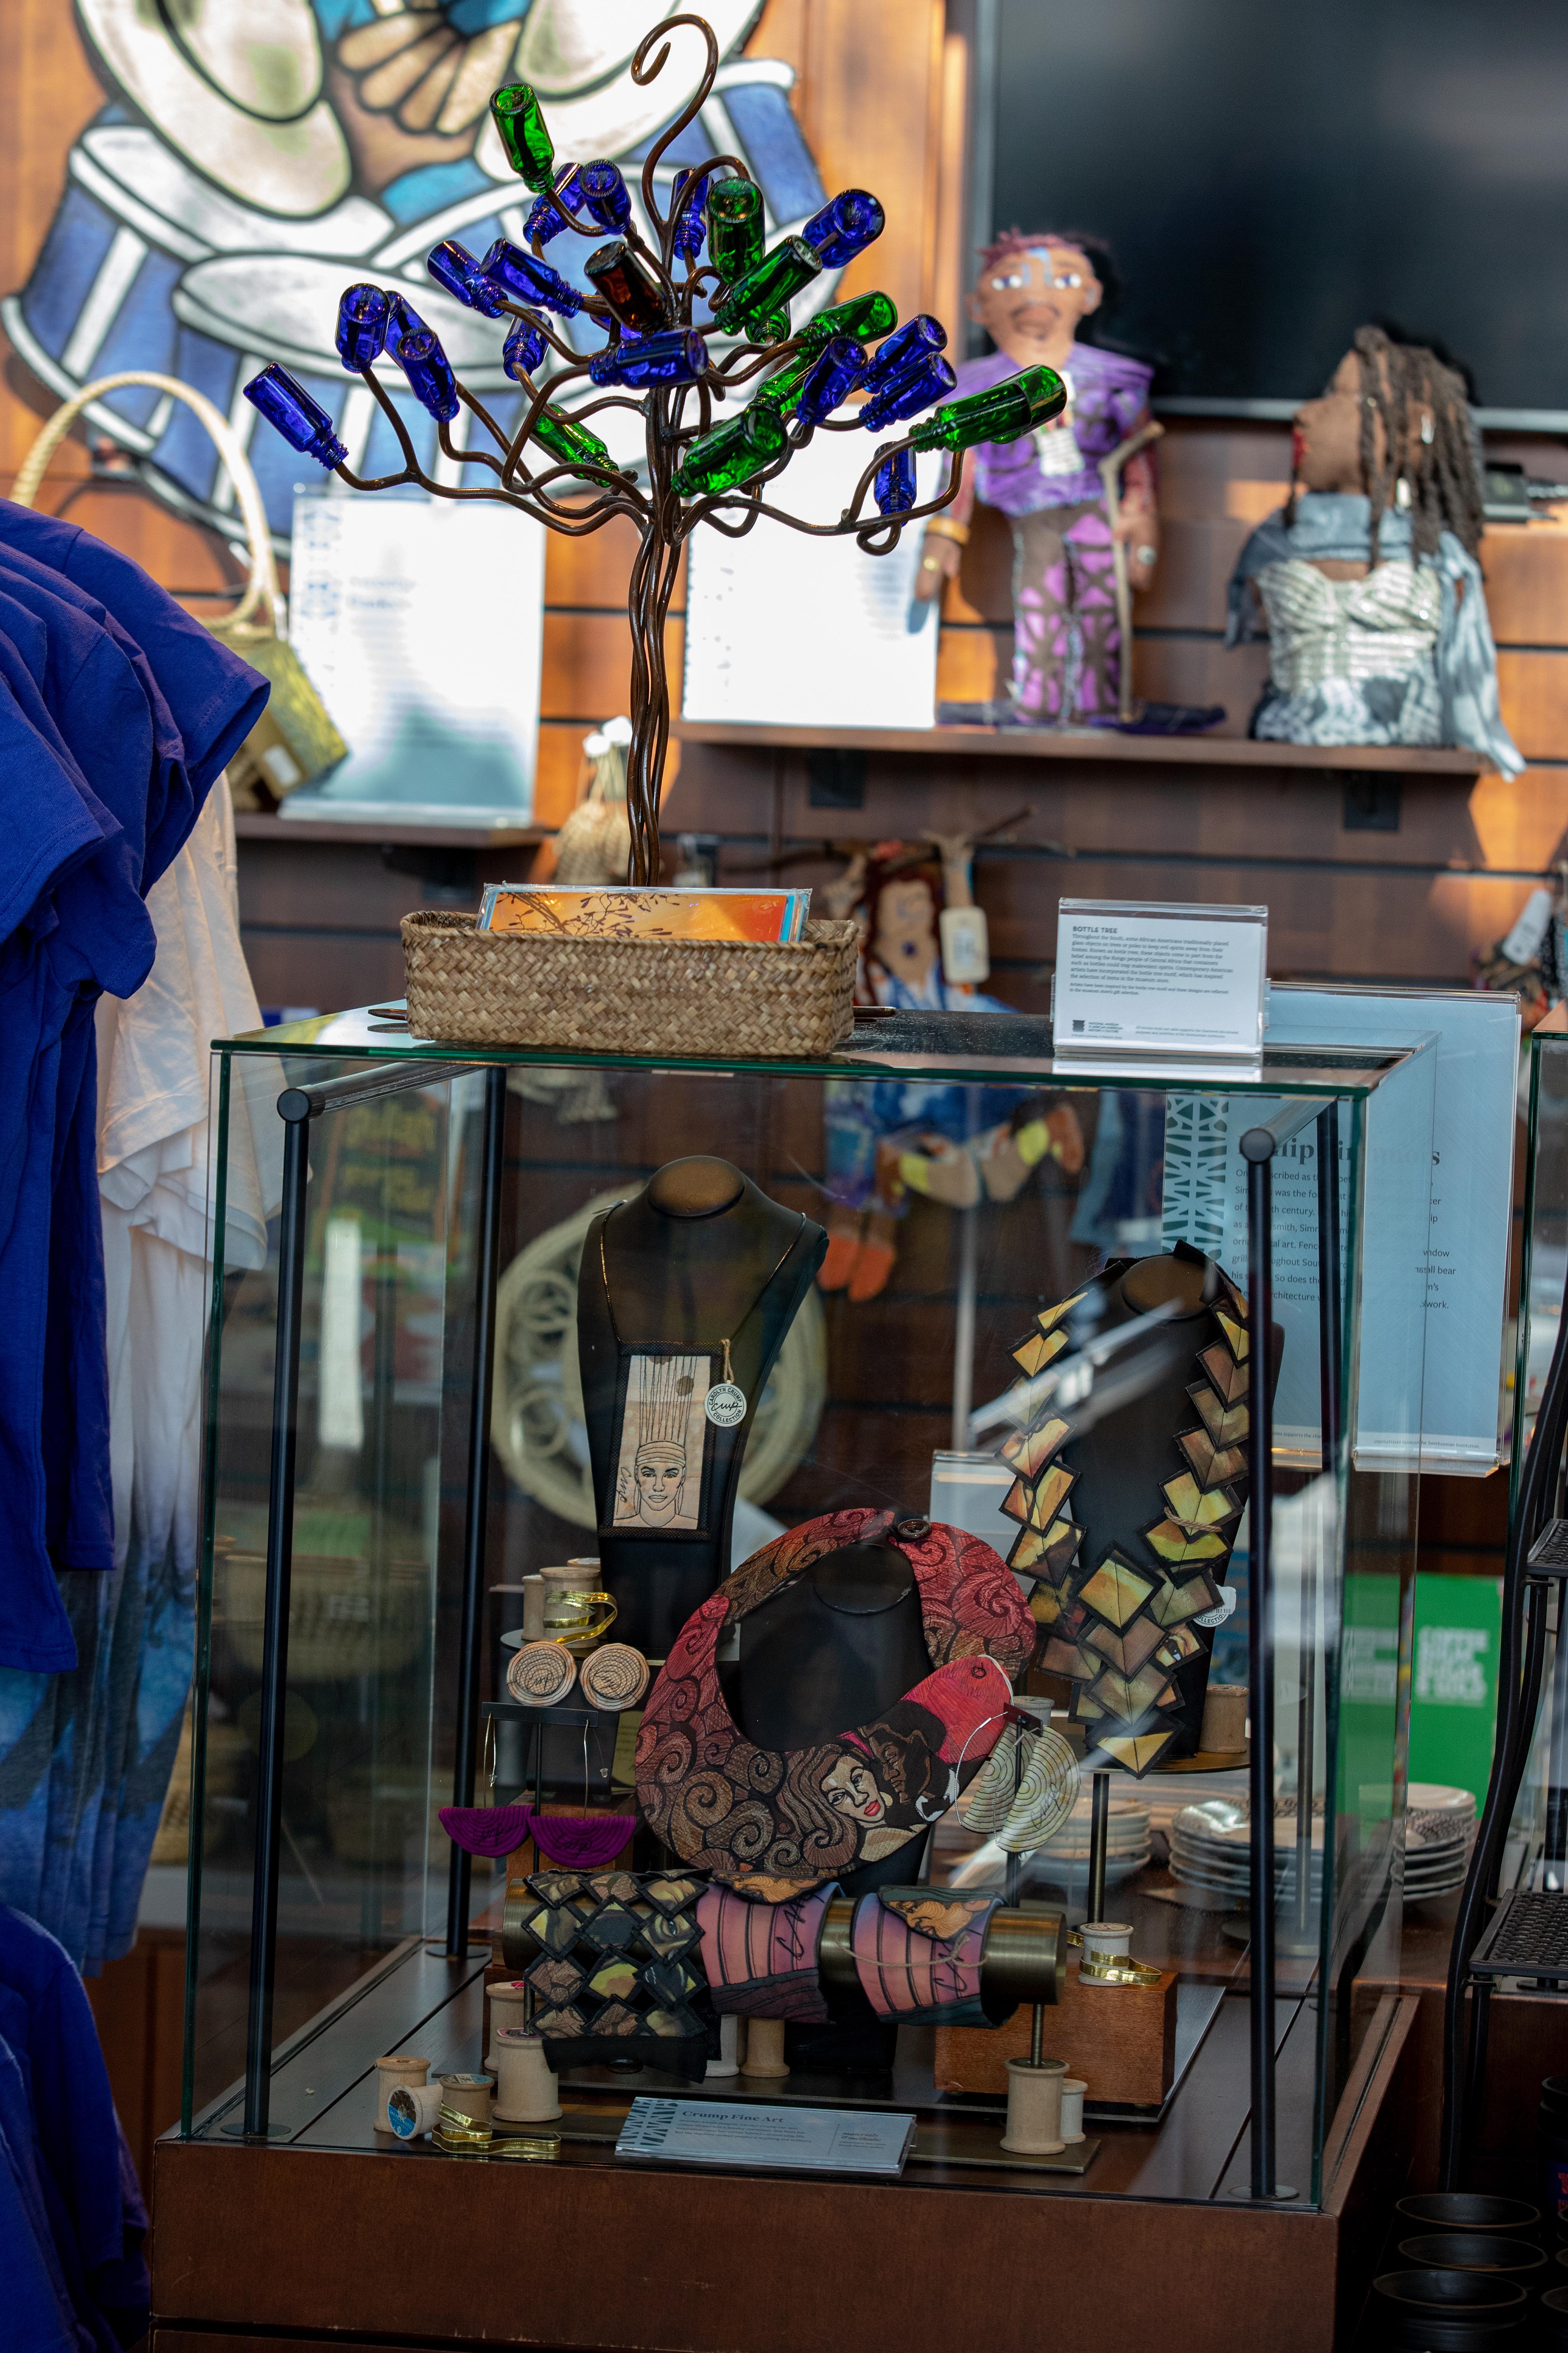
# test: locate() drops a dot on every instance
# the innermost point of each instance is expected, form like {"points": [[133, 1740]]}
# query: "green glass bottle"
{"points": [[731, 454], [863, 316], [1002, 414], [568, 443], [751, 301], [781, 392], [734, 227], [530, 150]]}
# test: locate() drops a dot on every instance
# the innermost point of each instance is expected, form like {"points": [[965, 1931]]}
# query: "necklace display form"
{"points": [[1129, 1516], [775, 1820], [684, 1298]]}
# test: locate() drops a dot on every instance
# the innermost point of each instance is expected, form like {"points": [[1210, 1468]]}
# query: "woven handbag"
{"points": [[613, 1960], [693, 998], [294, 740]]}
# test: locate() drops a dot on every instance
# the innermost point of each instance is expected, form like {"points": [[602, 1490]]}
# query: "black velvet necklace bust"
{"points": [[698, 1257], [834, 1647]]}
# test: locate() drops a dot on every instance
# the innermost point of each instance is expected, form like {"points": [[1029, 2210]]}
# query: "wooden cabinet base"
{"points": [[1120, 2039]]}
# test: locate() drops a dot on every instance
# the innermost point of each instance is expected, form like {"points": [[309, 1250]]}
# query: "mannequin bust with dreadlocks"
{"points": [[1033, 295], [1367, 582]]}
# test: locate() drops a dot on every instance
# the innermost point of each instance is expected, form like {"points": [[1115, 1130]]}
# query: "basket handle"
{"points": [[261, 594]]}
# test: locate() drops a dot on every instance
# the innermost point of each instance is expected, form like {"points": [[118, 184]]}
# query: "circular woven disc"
{"points": [[615, 1675], [541, 1673]]}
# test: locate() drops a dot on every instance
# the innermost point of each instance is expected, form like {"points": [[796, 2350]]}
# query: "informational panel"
{"points": [[420, 625], [1449, 1216], [788, 630]]}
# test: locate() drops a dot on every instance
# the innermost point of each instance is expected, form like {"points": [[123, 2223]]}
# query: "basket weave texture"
{"points": [[689, 997]]}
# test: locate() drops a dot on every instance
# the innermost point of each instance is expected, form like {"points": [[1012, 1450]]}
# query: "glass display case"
{"points": [[1195, 1300], [1511, 1934]]}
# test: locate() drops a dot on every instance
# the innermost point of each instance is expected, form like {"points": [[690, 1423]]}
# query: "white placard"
{"points": [[1142, 979], [737, 2132], [419, 623], [784, 631]]}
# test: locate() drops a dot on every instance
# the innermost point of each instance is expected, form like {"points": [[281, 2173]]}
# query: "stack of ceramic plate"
{"points": [[1065, 1857], [1168, 1794], [962, 1861], [1439, 1827], [1210, 1846]]}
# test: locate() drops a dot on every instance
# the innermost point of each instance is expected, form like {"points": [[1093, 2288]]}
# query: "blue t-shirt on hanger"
{"points": [[215, 699]]}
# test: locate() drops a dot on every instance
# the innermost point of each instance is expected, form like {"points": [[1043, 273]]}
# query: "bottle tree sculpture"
{"points": [[654, 361]]}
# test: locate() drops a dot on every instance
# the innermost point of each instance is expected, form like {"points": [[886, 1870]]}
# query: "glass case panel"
{"points": [[972, 1197]]}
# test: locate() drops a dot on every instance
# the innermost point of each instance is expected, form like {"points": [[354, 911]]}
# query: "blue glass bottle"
{"points": [[402, 320], [844, 227], [362, 326], [456, 270], [678, 356], [524, 279], [690, 223], [837, 368], [546, 212], [429, 373], [604, 193], [929, 379], [919, 338], [627, 285], [894, 488], [303, 422], [524, 349]]}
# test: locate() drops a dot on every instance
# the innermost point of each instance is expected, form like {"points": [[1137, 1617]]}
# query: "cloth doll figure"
{"points": [[888, 1137], [1366, 581], [1033, 295]]}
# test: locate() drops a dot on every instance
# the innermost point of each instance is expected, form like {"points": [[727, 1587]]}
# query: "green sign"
{"points": [[1453, 1685]]}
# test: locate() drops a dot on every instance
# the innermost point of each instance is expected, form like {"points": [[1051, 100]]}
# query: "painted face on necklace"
{"points": [[660, 1477], [851, 1788]]}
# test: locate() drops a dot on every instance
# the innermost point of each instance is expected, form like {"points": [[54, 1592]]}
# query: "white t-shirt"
{"points": [[153, 1075]]}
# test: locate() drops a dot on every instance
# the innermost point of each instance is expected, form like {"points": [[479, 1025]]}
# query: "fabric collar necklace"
{"points": [[775, 1822]]}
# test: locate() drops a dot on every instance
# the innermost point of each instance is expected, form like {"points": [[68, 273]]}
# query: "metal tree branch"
{"points": [[584, 490]]}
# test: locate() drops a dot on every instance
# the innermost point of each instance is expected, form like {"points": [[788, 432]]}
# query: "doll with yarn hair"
{"points": [[887, 1138], [1366, 582], [1033, 295]]}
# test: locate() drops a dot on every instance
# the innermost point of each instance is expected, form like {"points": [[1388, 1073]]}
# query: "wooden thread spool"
{"points": [[413, 2110], [533, 1607], [764, 2048], [1224, 1719], [525, 2090], [509, 2007], [727, 2063], [389, 2073], [467, 2095], [1073, 2090], [1035, 2107]]}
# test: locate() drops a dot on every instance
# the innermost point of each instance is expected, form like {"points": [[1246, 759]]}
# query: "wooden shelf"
{"points": [[1096, 744], [251, 825]]}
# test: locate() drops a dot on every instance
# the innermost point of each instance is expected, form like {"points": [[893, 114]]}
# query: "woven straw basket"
{"points": [[688, 997]]}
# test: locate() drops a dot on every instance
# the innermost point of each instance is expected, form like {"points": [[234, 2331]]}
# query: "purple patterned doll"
{"points": [[1032, 296]]}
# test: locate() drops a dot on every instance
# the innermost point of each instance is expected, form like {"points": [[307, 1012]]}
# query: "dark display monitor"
{"points": [[1271, 176]]}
